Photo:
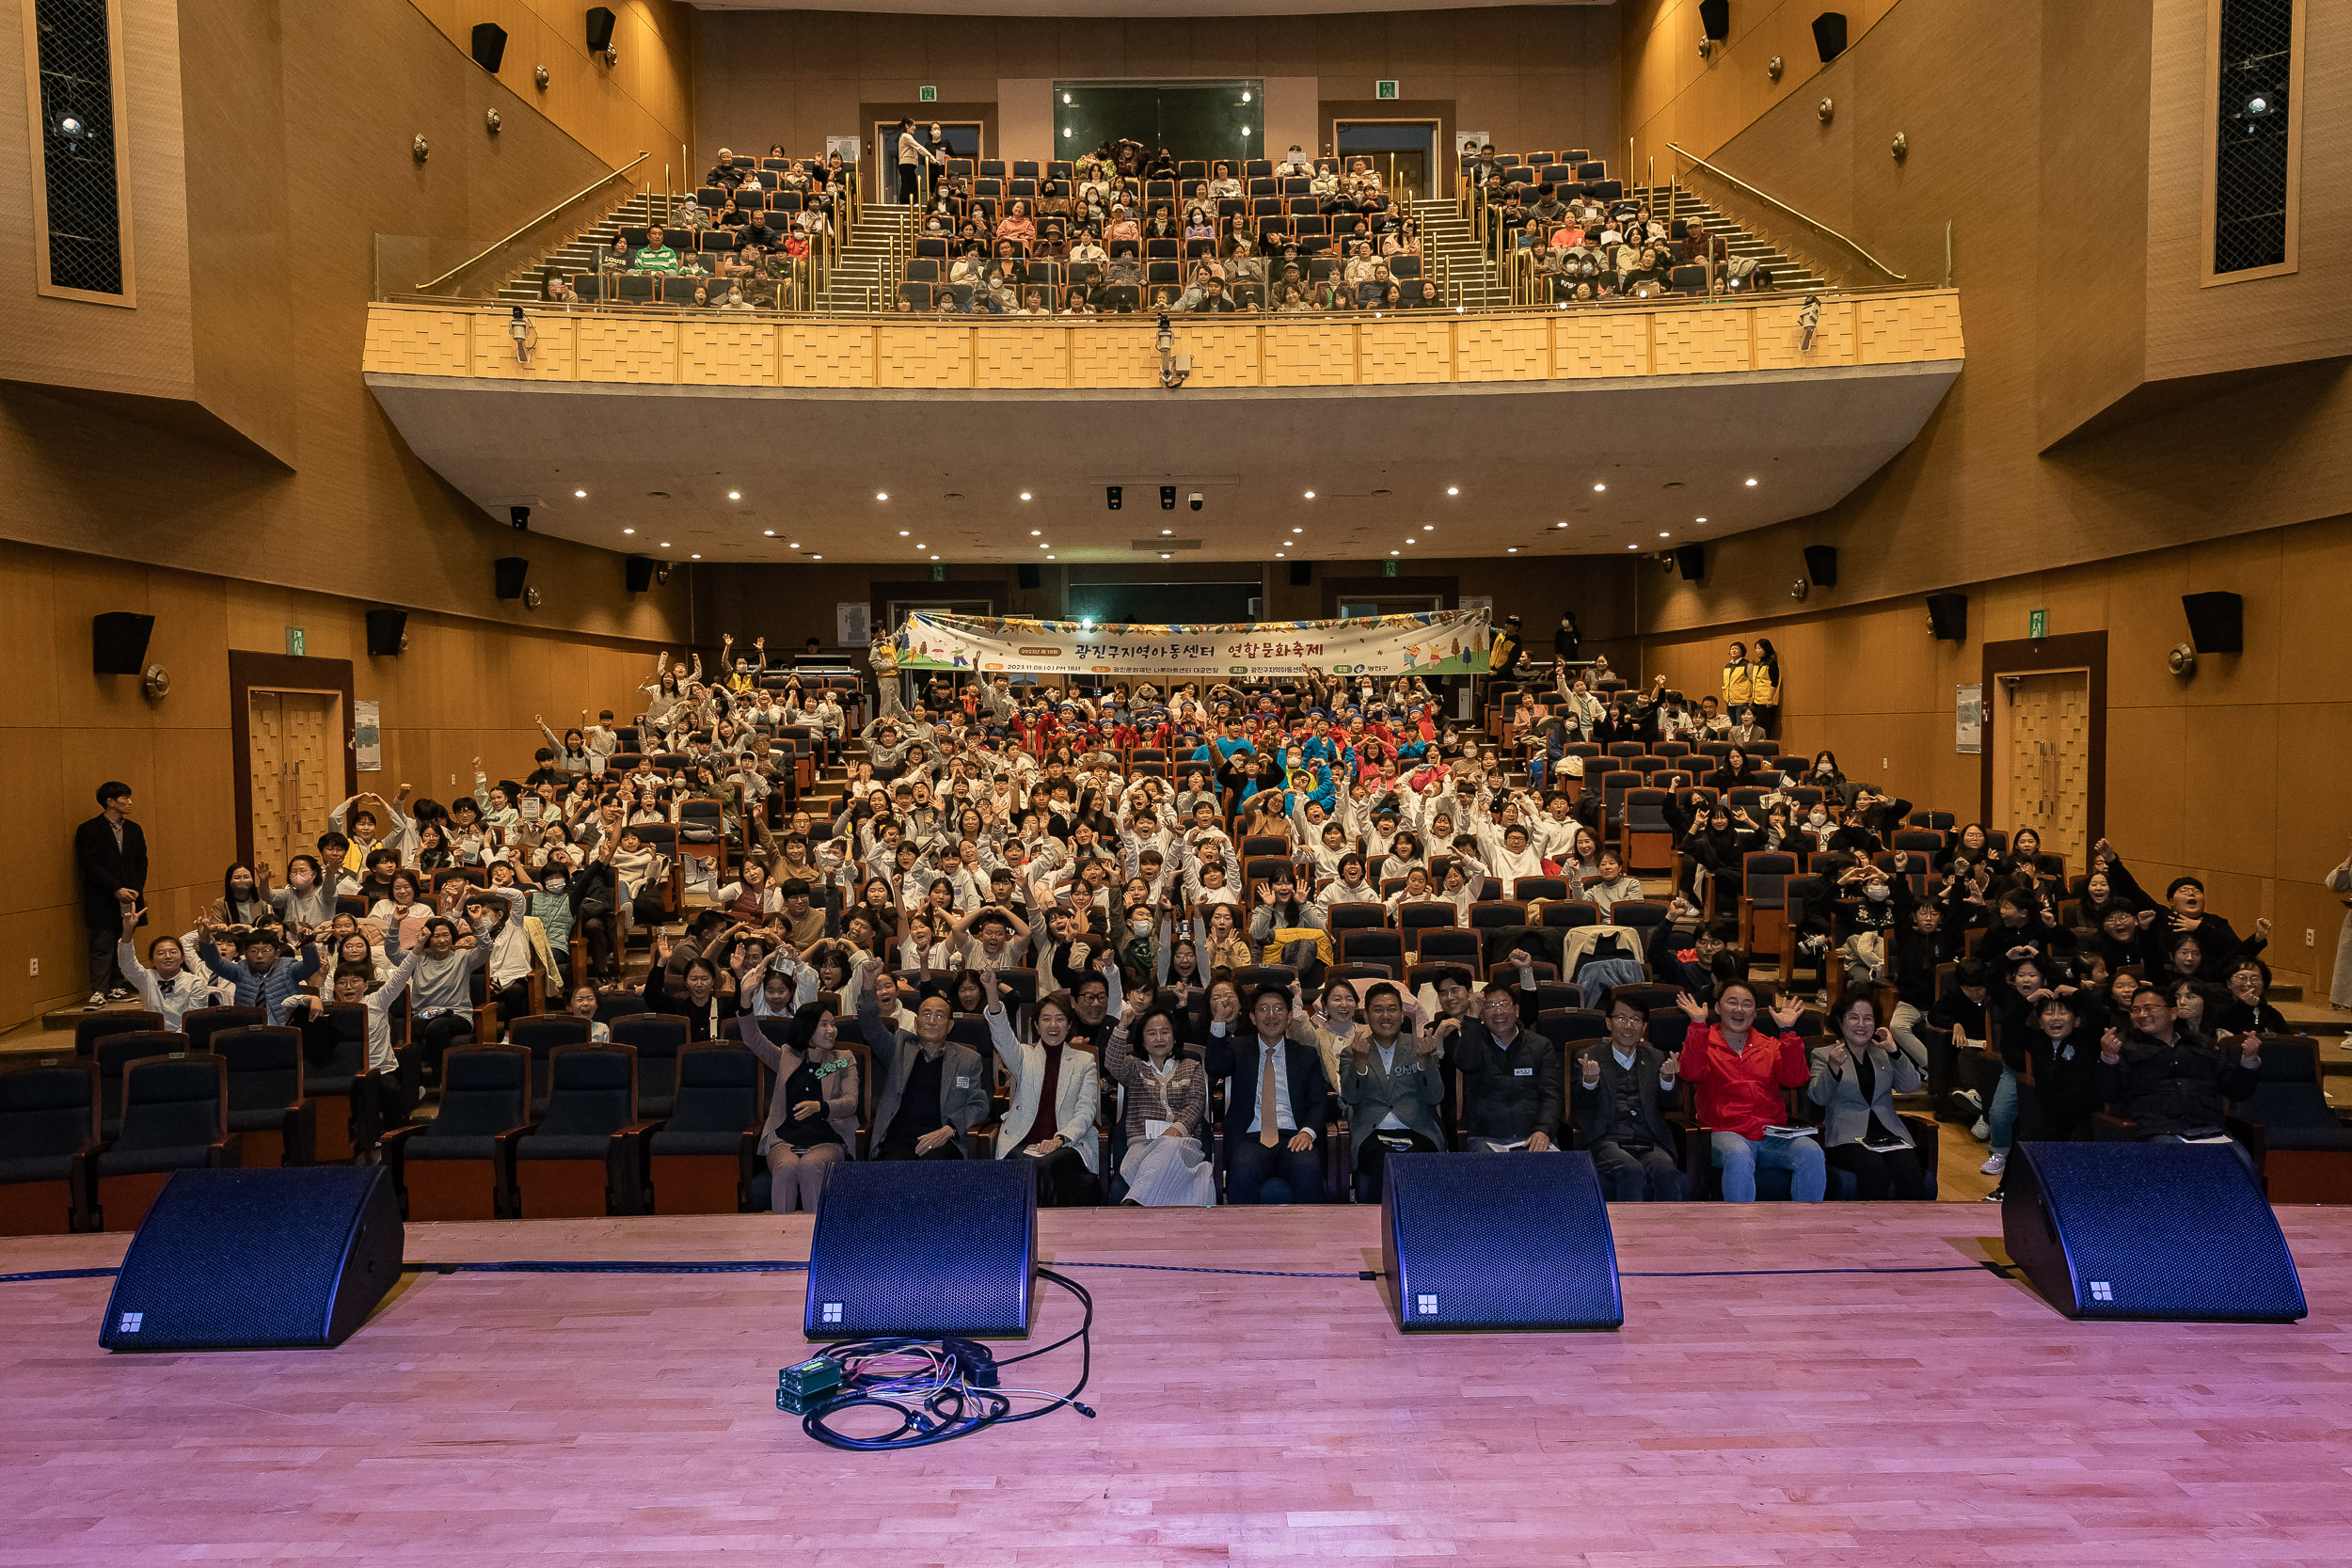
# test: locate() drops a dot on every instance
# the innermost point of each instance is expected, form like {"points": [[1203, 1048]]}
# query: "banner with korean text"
{"points": [[1431, 643]]}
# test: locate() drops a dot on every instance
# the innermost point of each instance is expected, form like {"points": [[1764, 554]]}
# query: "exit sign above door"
{"points": [[926, 95], [1384, 90]]}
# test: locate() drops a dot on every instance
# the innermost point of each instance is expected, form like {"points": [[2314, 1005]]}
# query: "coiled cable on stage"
{"points": [[940, 1389]]}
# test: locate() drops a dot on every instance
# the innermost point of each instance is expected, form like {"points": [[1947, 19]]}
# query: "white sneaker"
{"points": [[96, 1000], [1994, 1164], [1982, 1131]]}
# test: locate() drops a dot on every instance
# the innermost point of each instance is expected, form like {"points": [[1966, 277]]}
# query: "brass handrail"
{"points": [[543, 217], [1801, 218]]}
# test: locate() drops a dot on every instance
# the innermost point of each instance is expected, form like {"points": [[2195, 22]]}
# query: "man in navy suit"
{"points": [[1273, 1120]]}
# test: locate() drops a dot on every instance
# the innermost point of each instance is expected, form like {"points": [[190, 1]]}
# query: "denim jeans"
{"points": [[2002, 1115], [1739, 1159]]}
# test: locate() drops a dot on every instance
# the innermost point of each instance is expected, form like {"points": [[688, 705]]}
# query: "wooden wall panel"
{"points": [[1408, 351], [1223, 355], [1310, 354], [824, 353], [1688, 341], [1508, 349], [1601, 345], [723, 352], [1117, 356], [1780, 337], [1021, 356], [922, 357], [552, 357], [419, 342], [612, 349]]}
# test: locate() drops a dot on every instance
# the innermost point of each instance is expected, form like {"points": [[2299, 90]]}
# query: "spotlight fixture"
{"points": [[1827, 109], [1773, 67], [1902, 148]]}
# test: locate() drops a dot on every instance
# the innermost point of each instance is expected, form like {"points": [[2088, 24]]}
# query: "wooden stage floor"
{"points": [[1739, 1419]]}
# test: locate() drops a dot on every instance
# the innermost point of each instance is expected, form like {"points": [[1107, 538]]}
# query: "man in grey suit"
{"points": [[1389, 1082], [933, 1090], [1621, 1088]]}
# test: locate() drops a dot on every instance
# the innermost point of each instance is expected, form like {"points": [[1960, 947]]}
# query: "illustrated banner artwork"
{"points": [[1968, 720], [1431, 643], [367, 737]]}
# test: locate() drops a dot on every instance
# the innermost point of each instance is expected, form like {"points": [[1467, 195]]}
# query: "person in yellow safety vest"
{"points": [[1502, 658], [1738, 679]]}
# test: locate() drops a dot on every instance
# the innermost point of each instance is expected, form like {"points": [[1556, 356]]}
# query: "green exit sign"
{"points": [[939, 573], [926, 95], [1384, 90], [2037, 622], [1387, 568], [293, 642]]}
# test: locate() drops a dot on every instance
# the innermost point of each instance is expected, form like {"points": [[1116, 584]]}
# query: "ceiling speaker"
{"points": [[1829, 35], [1029, 575], [599, 29], [1715, 19], [640, 568], [1948, 615], [1820, 564], [507, 575], [387, 632], [1690, 561], [118, 642], [1302, 572], [2217, 622], [490, 45]]}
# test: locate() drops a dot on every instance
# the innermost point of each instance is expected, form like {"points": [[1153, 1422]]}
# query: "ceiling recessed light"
{"points": [[1163, 555], [1698, 519], [793, 546], [1597, 486], [1428, 528], [1035, 531], [769, 532], [1633, 547], [1751, 485], [580, 493], [816, 558], [1024, 495], [934, 558], [698, 555], [1559, 525], [1663, 534], [1392, 552], [902, 534], [1453, 489], [1044, 546], [629, 531], [881, 495], [663, 546], [1513, 551], [1278, 555], [1311, 495], [1298, 530], [1168, 530], [922, 547], [1049, 558], [735, 495]]}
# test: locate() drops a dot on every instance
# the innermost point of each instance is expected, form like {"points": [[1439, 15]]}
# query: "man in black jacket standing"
{"points": [[110, 855]]}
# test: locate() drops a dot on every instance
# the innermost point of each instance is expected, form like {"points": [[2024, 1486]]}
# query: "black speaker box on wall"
{"points": [[251, 1259], [599, 29], [507, 573], [640, 568], [1497, 1241], [387, 631], [1949, 614], [1820, 564], [1829, 35], [924, 1249], [2217, 622], [1029, 575], [2173, 1232], [490, 45], [1302, 572], [1715, 19], [1690, 561], [117, 643]]}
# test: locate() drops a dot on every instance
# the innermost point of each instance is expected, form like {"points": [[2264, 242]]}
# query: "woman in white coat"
{"points": [[1057, 1096]]}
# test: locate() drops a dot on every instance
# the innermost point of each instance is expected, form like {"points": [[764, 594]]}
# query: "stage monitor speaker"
{"points": [[1690, 561], [1496, 1241], [1302, 572], [1715, 19], [1947, 613], [640, 568], [507, 572], [1030, 575], [926, 1249], [286, 1256], [117, 643], [387, 631], [599, 29], [2217, 622], [490, 45], [1829, 35], [1820, 564], [2170, 1232]]}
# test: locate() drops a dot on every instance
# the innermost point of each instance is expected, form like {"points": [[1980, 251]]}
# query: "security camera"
{"points": [[520, 516], [1195, 500]]}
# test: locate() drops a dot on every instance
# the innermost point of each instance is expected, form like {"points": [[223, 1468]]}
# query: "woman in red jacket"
{"points": [[1739, 1072]]}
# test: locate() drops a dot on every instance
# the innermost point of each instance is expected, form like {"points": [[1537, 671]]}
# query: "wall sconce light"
{"points": [[417, 149], [1902, 148], [490, 119], [1827, 109], [1772, 67], [539, 74]]}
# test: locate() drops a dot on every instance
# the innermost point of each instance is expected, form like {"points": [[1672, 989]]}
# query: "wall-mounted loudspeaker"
{"points": [[490, 45], [1302, 572], [1947, 613], [599, 29], [1820, 564], [640, 569], [387, 632], [1715, 19], [1029, 575], [118, 642], [2217, 622], [508, 570], [1690, 561], [1829, 35]]}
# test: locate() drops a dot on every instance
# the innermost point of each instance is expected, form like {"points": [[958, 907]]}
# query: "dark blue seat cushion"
{"points": [[563, 1146], [136, 1161], [36, 1167], [718, 1141]]}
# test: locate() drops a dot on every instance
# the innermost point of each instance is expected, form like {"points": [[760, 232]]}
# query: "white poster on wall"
{"points": [[367, 737], [845, 146], [1468, 142], [852, 623], [1968, 720]]}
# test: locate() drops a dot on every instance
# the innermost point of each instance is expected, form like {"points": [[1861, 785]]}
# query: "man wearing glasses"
{"points": [[2169, 1081]]}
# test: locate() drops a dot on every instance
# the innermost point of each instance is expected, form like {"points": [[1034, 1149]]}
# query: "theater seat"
{"points": [[460, 1165], [48, 1147], [703, 1159], [586, 1156], [2302, 1151], [657, 1039], [175, 1117], [275, 1124]]}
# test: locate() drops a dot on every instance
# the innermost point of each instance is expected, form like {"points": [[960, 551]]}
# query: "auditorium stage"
{"points": [[1740, 1417]]}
